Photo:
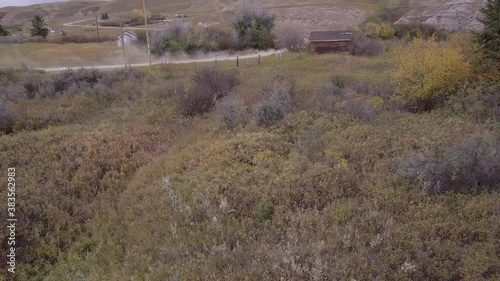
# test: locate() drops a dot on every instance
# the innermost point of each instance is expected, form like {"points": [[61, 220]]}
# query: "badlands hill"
{"points": [[451, 15]]}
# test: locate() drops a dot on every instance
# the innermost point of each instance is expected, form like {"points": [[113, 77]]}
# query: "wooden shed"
{"points": [[128, 37], [330, 41]]}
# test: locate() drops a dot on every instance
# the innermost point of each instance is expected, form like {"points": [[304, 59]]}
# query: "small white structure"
{"points": [[129, 38]]}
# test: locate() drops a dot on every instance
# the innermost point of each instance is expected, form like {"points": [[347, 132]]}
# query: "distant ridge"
{"points": [[19, 3]]}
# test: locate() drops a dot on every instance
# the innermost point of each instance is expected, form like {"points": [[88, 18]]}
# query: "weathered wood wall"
{"points": [[330, 47]]}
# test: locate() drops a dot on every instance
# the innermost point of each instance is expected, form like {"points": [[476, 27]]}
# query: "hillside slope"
{"points": [[450, 15]]}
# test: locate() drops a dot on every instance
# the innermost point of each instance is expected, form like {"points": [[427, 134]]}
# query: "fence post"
{"points": [[258, 61], [97, 27], [237, 61]]}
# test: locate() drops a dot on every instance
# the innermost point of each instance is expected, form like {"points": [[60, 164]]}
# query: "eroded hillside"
{"points": [[450, 15]]}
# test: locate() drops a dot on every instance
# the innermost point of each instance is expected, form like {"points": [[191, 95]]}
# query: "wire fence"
{"points": [[230, 63], [225, 63]]}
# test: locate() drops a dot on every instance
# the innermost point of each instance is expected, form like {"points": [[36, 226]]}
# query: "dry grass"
{"points": [[49, 54], [221, 11], [119, 180]]}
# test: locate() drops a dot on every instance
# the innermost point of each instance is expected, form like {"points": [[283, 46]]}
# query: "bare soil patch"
{"points": [[314, 18]]}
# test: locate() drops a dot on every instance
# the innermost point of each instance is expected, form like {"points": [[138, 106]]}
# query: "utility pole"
{"points": [[97, 26], [121, 31], [146, 26]]}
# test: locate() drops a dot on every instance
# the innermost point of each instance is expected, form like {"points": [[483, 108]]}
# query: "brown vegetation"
{"points": [[303, 168]]}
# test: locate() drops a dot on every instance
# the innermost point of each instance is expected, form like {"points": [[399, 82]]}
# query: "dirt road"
{"points": [[207, 58]]}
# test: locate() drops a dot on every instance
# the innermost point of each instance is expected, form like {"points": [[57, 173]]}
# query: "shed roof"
{"points": [[127, 33], [329, 36]]}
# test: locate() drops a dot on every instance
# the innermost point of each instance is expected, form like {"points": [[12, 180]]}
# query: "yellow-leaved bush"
{"points": [[428, 71], [382, 31]]}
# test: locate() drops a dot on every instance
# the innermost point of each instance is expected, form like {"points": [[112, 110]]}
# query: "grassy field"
{"points": [[38, 55], [118, 183], [71, 54], [309, 167]]}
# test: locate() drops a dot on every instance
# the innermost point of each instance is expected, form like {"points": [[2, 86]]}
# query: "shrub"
{"points": [[216, 82], [480, 103], [209, 85], [410, 31], [360, 110], [341, 81], [427, 72], [489, 37], [217, 38], [31, 83], [178, 30], [465, 167], [46, 90], [39, 28], [68, 82], [291, 37], [382, 31], [362, 45], [264, 211], [8, 75], [6, 118], [167, 68], [231, 110], [274, 107], [254, 28], [3, 32], [110, 23], [175, 38]]}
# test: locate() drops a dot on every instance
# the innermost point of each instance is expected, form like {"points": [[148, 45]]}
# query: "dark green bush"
{"points": [[3, 32], [264, 211], [254, 29], [489, 37]]}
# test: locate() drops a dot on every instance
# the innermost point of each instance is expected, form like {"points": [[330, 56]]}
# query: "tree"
{"points": [[428, 71], [254, 28], [39, 28], [3, 32], [489, 37]]}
